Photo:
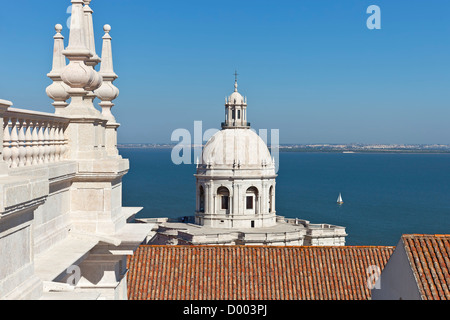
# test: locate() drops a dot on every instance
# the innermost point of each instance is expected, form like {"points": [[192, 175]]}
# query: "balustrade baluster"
{"points": [[63, 141], [51, 147], [6, 141], [57, 142], [35, 143], [41, 143], [28, 143], [46, 142], [21, 143], [14, 144]]}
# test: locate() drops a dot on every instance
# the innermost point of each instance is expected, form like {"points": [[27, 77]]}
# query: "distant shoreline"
{"points": [[368, 151], [312, 150]]}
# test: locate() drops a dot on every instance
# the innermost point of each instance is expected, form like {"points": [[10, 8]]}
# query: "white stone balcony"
{"points": [[33, 138]]}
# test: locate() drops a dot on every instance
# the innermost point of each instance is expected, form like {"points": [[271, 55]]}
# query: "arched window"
{"points": [[251, 199], [201, 193], [224, 198]]}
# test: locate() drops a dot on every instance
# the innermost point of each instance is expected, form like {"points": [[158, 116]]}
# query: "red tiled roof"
{"points": [[429, 256], [252, 273]]}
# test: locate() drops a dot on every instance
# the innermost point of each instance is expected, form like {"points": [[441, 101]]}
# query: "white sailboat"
{"points": [[339, 200]]}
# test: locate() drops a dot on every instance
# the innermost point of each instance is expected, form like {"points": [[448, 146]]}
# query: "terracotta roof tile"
{"points": [[249, 273], [429, 259]]}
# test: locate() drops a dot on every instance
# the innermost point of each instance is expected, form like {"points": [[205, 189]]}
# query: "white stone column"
{"points": [[259, 204], [205, 200], [273, 200], [209, 196], [263, 194], [235, 199]]}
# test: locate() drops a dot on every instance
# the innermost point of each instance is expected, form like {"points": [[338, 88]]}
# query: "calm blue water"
{"points": [[385, 195]]}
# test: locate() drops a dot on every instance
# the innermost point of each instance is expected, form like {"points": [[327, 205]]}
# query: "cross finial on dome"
{"points": [[235, 81]]}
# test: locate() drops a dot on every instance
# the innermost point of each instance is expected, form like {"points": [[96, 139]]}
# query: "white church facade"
{"points": [[235, 194], [64, 233]]}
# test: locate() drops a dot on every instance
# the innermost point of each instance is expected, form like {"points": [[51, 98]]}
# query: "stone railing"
{"points": [[33, 138], [325, 230], [294, 221]]}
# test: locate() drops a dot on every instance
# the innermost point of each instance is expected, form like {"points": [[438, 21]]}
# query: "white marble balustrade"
{"points": [[33, 138]]}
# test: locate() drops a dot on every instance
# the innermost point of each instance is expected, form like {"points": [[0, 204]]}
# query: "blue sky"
{"points": [[310, 68]]}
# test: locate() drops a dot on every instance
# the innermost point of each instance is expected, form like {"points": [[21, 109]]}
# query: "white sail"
{"points": [[340, 199]]}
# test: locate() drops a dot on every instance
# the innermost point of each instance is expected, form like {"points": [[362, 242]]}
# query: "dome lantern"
{"points": [[235, 110]]}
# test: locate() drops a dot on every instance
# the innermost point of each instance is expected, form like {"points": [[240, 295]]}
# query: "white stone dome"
{"points": [[241, 148]]}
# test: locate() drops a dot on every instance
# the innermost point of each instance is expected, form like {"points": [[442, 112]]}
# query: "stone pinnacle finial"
{"points": [[58, 28], [235, 81], [94, 60], [77, 39], [57, 91], [107, 68], [107, 92], [80, 77], [59, 61], [89, 33]]}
